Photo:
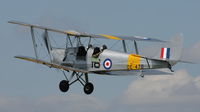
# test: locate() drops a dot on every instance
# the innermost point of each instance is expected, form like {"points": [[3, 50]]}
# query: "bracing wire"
{"points": [[114, 44]]}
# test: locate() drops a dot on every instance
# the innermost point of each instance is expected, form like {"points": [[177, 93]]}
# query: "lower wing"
{"points": [[51, 65], [163, 71]]}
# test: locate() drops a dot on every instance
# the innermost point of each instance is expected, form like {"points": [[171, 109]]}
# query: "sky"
{"points": [[25, 86]]}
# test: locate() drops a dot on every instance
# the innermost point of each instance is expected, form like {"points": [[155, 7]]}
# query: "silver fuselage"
{"points": [[105, 62]]}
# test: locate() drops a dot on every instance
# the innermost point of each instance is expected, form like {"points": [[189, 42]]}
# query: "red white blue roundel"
{"points": [[107, 63]]}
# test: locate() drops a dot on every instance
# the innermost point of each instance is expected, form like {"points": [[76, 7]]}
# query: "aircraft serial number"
{"points": [[95, 64]]}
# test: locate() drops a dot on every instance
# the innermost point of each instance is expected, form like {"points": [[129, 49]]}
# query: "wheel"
{"points": [[88, 88], [64, 86]]}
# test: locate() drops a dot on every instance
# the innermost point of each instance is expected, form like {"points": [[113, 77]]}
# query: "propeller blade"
{"points": [[46, 41]]}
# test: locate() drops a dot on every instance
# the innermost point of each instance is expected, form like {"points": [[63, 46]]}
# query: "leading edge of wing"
{"points": [[84, 34], [69, 32], [137, 38], [51, 65]]}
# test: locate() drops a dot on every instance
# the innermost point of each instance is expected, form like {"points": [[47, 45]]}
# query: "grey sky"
{"points": [[23, 83]]}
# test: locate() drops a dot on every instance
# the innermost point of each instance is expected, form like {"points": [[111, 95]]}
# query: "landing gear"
{"points": [[142, 75], [88, 88], [64, 85], [77, 76], [170, 67]]}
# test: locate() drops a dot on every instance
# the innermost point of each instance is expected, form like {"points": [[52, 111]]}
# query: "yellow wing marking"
{"points": [[110, 37], [134, 62]]}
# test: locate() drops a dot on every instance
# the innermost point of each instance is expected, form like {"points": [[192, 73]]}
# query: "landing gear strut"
{"points": [[170, 67], [77, 76]]}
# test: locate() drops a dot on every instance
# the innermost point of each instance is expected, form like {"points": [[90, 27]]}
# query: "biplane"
{"points": [[80, 60]]}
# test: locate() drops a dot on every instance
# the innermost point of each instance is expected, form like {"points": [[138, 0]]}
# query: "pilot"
{"points": [[81, 54], [96, 52], [103, 48]]}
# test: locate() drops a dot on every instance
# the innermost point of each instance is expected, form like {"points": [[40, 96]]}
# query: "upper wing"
{"points": [[83, 34], [73, 33], [138, 38], [50, 64]]}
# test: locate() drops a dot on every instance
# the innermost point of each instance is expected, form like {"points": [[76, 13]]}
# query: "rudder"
{"points": [[172, 50]]}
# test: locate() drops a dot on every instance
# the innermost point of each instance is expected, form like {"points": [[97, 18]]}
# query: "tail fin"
{"points": [[171, 51]]}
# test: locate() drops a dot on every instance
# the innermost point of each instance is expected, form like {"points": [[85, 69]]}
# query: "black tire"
{"points": [[88, 88], [64, 86]]}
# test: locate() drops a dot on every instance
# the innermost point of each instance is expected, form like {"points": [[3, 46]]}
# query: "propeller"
{"points": [[47, 41]]}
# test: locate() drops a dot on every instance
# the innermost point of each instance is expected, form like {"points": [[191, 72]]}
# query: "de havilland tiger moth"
{"points": [[77, 61]]}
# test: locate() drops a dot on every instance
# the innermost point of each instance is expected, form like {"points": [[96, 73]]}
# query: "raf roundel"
{"points": [[107, 64]]}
